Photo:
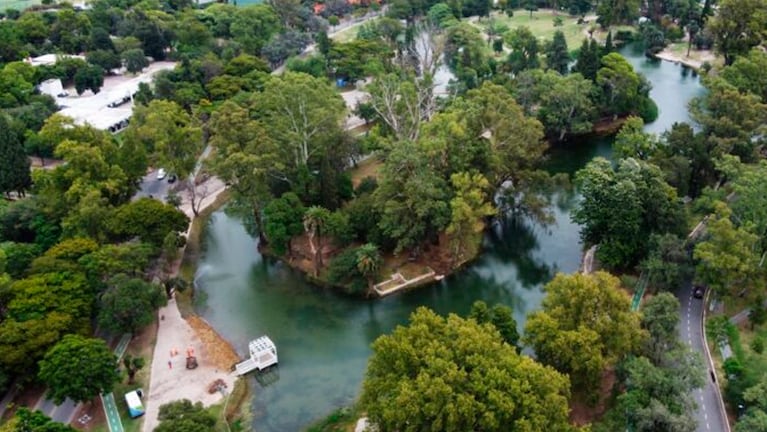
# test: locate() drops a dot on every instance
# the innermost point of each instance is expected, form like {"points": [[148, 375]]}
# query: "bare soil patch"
{"points": [[581, 413]]}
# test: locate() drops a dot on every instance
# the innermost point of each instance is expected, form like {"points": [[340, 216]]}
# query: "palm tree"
{"points": [[315, 219], [369, 262]]}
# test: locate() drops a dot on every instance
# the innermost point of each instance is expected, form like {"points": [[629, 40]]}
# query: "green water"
{"points": [[323, 339]]}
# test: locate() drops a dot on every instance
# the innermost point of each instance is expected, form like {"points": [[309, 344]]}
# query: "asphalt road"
{"points": [[708, 414], [151, 186]]}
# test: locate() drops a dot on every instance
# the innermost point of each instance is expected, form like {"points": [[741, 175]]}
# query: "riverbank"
{"points": [[677, 53], [182, 333]]}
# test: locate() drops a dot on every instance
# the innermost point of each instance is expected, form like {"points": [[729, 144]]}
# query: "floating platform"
{"points": [[263, 354]]}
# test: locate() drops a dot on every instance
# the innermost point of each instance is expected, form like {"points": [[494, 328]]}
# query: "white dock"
{"points": [[263, 353]]}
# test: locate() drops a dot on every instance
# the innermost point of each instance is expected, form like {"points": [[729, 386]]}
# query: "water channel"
{"points": [[323, 339]]}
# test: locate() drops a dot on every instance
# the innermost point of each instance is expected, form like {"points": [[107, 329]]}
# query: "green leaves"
{"points": [[456, 375], [78, 368], [586, 325], [129, 305]]}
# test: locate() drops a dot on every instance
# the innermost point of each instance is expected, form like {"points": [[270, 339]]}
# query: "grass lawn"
{"points": [[542, 25], [17, 4]]}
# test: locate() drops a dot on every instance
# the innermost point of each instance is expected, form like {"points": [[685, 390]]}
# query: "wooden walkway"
{"points": [[397, 282]]}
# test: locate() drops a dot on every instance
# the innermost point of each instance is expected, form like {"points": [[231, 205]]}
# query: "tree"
{"points": [[731, 120], [524, 50], [78, 368], [38, 310], [451, 374], [129, 305], [283, 219], [168, 133], [737, 27], [369, 262], [315, 219], [586, 325], [106, 60], [183, 416], [135, 60], [25, 420], [14, 164], [157, 220], [565, 105], [304, 115], [667, 263], [89, 78], [633, 142], [468, 210], [747, 73], [727, 262], [755, 420], [622, 208], [246, 158], [500, 317], [660, 317], [587, 63], [557, 55], [132, 366], [413, 198], [621, 86], [402, 104]]}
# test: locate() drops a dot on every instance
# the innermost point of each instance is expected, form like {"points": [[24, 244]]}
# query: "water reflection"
{"points": [[323, 339]]}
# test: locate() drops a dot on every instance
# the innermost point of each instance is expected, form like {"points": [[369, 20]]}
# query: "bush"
{"points": [[367, 185], [674, 33], [343, 271], [625, 35], [757, 345], [648, 110]]}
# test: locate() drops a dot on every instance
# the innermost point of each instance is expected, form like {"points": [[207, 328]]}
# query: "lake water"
{"points": [[323, 339]]}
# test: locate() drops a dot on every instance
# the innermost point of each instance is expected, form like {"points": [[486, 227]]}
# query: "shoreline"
{"points": [[696, 64]]}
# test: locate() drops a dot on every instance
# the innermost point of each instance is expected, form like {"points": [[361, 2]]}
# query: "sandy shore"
{"points": [[695, 63]]}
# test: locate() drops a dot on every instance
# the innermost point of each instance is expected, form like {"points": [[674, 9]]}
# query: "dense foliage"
{"points": [[451, 374]]}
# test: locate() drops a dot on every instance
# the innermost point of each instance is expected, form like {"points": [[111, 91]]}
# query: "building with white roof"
{"points": [[111, 108]]}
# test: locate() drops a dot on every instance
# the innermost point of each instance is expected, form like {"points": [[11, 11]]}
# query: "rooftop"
{"points": [[94, 109]]}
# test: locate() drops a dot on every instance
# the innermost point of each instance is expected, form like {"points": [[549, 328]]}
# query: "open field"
{"points": [[17, 4], [542, 24]]}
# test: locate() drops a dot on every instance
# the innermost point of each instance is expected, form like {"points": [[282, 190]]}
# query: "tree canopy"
{"points": [[78, 368], [452, 374]]}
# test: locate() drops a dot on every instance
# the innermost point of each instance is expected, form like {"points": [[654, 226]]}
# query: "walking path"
{"points": [[108, 401], [170, 380]]}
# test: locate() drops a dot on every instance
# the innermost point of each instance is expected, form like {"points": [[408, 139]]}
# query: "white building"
{"points": [[52, 87]]}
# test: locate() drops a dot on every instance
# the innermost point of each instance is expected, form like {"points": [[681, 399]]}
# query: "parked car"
{"points": [[172, 178], [161, 173], [698, 291]]}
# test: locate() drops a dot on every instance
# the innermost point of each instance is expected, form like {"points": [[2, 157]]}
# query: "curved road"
{"points": [[709, 413]]}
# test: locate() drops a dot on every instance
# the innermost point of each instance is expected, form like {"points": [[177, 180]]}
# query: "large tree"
{"points": [[184, 416], [727, 261], [246, 158], [585, 326], [557, 55], [737, 27], [452, 374], [622, 207], [128, 304], [169, 134], [304, 115], [78, 368], [14, 164], [157, 220]]}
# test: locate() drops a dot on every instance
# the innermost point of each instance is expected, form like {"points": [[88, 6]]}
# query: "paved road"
{"points": [[709, 413], [150, 186]]}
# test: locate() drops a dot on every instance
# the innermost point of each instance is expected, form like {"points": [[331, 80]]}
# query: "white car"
{"points": [[161, 173]]}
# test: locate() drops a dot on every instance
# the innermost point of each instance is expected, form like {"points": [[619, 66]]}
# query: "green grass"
{"points": [[342, 419], [542, 25], [17, 4]]}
